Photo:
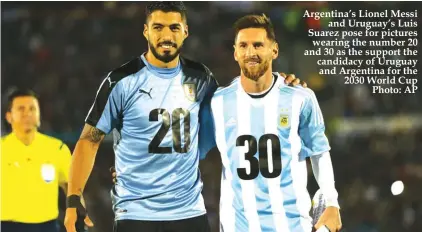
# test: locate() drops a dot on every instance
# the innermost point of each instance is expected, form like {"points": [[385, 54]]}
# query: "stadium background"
{"points": [[62, 49]]}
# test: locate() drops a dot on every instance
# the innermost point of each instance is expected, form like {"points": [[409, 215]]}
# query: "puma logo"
{"points": [[145, 92]]}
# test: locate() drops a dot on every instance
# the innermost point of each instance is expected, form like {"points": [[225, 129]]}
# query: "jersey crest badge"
{"points": [[284, 121], [190, 91]]}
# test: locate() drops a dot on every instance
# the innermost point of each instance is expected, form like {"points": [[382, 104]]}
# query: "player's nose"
{"points": [[27, 113], [166, 34], [250, 51]]}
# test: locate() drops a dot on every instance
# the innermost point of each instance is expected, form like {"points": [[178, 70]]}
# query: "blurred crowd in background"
{"points": [[62, 50]]}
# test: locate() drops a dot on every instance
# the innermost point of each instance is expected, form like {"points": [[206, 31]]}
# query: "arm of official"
{"points": [[65, 158], [316, 146]]}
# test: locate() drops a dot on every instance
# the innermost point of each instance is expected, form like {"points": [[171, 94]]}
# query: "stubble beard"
{"points": [[255, 75]]}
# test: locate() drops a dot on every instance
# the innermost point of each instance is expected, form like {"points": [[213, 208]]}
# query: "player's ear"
{"points": [[9, 117], [186, 31], [275, 50], [145, 32], [38, 123]]}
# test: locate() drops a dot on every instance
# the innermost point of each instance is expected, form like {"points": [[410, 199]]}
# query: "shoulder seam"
{"points": [[126, 70], [194, 65], [61, 146], [303, 91], [226, 89]]}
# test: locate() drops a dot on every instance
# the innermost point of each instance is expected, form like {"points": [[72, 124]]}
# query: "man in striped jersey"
{"points": [[265, 130]]}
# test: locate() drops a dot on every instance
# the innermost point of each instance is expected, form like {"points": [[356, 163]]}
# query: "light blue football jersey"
{"points": [[263, 144], [154, 114]]}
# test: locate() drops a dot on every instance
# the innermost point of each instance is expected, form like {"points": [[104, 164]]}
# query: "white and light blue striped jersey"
{"points": [[154, 114], [263, 144]]}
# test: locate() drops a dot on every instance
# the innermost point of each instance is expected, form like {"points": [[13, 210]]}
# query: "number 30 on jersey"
{"points": [[263, 163]]}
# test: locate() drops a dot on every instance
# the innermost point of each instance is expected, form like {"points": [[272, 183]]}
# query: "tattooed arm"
{"points": [[83, 159]]}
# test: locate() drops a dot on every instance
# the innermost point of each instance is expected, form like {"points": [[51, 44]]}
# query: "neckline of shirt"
{"points": [[265, 92], [166, 73], [263, 95], [16, 139]]}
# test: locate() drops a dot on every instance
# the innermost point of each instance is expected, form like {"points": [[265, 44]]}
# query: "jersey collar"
{"points": [[166, 73], [16, 140]]}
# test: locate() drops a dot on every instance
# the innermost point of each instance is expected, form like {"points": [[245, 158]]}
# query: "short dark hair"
{"points": [[166, 7], [19, 93], [255, 21]]}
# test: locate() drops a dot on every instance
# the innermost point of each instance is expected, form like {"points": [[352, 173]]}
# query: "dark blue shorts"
{"points": [[50, 226]]}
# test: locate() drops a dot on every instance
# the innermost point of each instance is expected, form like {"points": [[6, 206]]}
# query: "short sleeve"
{"points": [[65, 158], [312, 128], [105, 112]]}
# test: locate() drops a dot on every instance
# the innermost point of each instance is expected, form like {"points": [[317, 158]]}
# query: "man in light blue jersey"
{"points": [[152, 104], [264, 131]]}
